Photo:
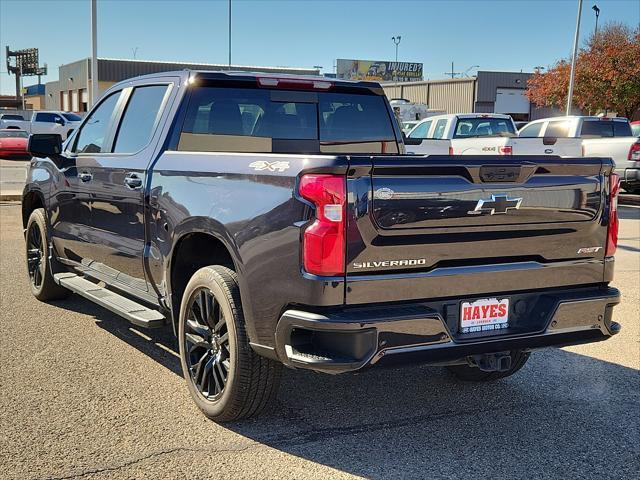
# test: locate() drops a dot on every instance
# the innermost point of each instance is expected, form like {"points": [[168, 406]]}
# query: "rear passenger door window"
{"points": [[92, 136], [438, 131], [557, 129], [140, 118]]}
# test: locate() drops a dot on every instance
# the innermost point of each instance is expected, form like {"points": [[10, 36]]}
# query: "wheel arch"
{"points": [[31, 200], [194, 248]]}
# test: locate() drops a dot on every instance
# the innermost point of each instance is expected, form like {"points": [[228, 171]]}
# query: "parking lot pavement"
{"points": [[13, 174], [86, 395]]}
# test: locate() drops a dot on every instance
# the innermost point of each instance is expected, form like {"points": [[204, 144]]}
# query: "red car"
{"points": [[13, 144]]}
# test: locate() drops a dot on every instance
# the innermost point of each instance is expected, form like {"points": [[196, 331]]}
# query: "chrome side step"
{"points": [[132, 311]]}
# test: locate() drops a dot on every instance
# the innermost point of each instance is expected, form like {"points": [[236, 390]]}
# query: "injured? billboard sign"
{"points": [[380, 71]]}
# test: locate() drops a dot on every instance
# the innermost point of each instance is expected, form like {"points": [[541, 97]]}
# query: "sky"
{"points": [[509, 35]]}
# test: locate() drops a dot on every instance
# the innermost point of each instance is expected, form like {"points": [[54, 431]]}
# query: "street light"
{"points": [[466, 72], [573, 58], [597, 10], [396, 40]]}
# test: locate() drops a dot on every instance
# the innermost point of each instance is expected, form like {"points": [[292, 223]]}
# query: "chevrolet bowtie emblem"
{"points": [[497, 204]]}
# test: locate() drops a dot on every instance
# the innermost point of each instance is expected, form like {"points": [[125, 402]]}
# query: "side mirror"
{"points": [[59, 121], [411, 141], [49, 145]]}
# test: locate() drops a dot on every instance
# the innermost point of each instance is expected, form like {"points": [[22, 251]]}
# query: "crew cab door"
{"points": [[119, 185], [71, 200]]}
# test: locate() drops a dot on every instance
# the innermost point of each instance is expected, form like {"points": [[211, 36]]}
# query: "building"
{"points": [[488, 92], [71, 92], [34, 97]]}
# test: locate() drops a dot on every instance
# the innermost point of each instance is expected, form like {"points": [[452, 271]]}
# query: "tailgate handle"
{"points": [[499, 173]]}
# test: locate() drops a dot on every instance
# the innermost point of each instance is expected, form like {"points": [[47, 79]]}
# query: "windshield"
{"points": [[72, 117], [484, 127], [14, 134], [262, 120]]}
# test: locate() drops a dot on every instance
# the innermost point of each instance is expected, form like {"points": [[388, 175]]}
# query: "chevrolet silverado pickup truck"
{"points": [[277, 221], [484, 134]]}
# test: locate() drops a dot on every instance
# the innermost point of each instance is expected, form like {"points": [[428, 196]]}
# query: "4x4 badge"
{"points": [[496, 205], [278, 166]]}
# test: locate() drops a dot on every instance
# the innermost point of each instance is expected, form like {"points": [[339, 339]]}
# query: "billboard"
{"points": [[378, 70]]}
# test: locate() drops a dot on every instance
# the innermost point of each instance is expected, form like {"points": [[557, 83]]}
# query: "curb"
{"points": [[629, 200]]}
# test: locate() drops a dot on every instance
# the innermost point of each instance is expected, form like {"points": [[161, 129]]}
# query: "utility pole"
{"points": [[229, 33], [94, 53], [452, 73], [573, 59]]}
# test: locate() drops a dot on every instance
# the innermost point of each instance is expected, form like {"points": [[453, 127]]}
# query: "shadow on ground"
{"points": [[564, 415]]}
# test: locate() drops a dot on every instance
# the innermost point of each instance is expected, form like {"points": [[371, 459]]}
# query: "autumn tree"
{"points": [[607, 75]]}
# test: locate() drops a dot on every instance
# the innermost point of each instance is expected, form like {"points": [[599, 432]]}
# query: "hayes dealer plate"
{"points": [[484, 315]]}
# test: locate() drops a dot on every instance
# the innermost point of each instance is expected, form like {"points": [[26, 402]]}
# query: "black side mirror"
{"points": [[49, 145], [411, 141], [59, 121]]}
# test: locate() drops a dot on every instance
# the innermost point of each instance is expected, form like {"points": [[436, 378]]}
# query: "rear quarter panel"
{"points": [[253, 210]]}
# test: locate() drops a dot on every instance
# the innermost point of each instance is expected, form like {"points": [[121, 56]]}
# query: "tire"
{"points": [[213, 343], [43, 287], [468, 373]]}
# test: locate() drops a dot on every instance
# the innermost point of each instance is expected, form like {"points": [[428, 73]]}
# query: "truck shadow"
{"points": [[562, 415]]}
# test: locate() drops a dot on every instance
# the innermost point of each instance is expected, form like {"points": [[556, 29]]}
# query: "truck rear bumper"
{"points": [[348, 339], [631, 177]]}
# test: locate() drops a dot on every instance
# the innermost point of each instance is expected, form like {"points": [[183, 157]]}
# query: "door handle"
{"points": [[85, 176], [133, 181]]}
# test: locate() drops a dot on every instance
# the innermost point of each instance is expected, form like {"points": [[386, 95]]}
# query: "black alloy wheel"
{"points": [[35, 255], [206, 341]]}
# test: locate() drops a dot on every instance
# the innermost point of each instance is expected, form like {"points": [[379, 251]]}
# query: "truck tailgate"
{"points": [[444, 226]]}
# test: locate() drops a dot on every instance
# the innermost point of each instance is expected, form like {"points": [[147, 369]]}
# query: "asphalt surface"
{"points": [[13, 174], [86, 395]]}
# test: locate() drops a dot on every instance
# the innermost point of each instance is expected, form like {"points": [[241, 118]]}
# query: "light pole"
{"points": [[597, 10], [229, 33], [94, 53], [396, 40], [573, 59], [135, 51], [466, 72]]}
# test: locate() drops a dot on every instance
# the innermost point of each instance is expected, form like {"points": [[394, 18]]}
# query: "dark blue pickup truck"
{"points": [[277, 220]]}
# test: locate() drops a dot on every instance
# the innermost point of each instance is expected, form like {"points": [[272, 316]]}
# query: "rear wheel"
{"points": [[226, 378], [43, 286], [474, 374]]}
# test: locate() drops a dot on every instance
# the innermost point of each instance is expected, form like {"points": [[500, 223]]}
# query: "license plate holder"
{"points": [[484, 315]]}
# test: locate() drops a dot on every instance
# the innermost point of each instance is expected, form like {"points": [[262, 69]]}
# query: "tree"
{"points": [[607, 75]]}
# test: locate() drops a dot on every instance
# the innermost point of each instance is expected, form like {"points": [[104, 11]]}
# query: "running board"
{"points": [[134, 312]]}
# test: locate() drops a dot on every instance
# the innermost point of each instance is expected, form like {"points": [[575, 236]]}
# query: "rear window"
{"points": [[596, 129], [9, 116], [14, 134], [622, 129], [484, 127], [262, 120]]}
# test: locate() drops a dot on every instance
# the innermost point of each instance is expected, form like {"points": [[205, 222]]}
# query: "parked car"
{"points": [[60, 123], [13, 144], [276, 220], [635, 128], [485, 134], [600, 137]]}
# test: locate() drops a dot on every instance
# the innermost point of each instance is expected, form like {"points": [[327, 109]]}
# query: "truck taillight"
{"points": [[612, 230], [323, 242], [506, 150], [634, 153], [450, 150]]}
